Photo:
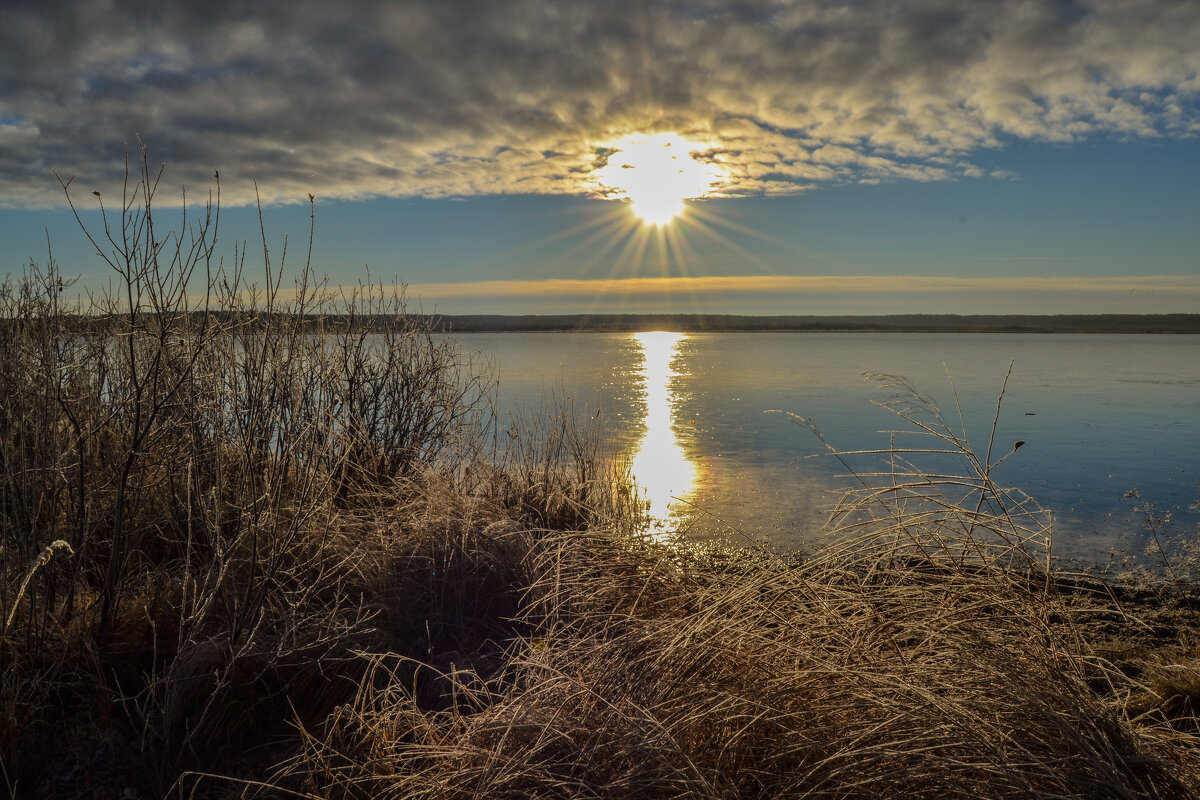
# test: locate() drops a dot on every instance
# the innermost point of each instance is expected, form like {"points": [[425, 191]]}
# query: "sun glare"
{"points": [[660, 465], [656, 173]]}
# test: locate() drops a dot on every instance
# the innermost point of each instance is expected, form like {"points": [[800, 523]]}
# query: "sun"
{"points": [[656, 173]]}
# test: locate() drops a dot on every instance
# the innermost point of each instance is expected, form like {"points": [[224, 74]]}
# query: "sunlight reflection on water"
{"points": [[662, 469], [1101, 414]]}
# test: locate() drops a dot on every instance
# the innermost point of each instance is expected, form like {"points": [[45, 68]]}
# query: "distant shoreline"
{"points": [[898, 323], [695, 323]]}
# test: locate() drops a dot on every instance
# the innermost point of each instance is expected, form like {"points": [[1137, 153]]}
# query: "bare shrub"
{"points": [[198, 436]]}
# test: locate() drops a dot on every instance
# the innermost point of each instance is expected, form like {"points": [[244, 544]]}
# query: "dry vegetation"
{"points": [[245, 556]]}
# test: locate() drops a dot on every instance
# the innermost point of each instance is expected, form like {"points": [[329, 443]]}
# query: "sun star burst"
{"points": [[656, 173]]}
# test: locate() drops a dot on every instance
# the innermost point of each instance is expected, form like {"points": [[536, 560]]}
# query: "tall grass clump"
{"points": [[930, 495], [553, 468], [261, 538]]}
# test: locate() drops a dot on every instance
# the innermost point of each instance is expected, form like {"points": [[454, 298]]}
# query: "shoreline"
{"points": [[898, 323]]}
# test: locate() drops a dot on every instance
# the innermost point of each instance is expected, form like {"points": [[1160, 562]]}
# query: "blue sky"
{"points": [[872, 157]]}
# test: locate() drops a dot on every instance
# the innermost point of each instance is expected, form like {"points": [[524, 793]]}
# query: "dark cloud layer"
{"points": [[463, 97]]}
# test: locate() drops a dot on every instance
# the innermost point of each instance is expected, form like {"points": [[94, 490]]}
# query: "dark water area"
{"points": [[1107, 421]]}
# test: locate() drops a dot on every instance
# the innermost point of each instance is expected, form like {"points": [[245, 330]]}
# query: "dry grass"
{"points": [[641, 673], [305, 561]]}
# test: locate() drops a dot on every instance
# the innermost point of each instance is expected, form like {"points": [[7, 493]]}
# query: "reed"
{"points": [[256, 546]]}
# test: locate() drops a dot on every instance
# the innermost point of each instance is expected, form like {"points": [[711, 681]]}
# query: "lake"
{"points": [[1100, 417]]}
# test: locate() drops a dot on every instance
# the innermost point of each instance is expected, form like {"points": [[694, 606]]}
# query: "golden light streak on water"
{"points": [[661, 468]]}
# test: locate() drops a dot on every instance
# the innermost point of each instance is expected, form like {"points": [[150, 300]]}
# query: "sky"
{"points": [[863, 157]]}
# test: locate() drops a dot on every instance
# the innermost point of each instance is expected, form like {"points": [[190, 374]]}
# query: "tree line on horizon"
{"points": [[890, 323], [940, 323]]}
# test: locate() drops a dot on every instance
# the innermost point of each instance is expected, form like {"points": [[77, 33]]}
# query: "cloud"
{"points": [[818, 294], [469, 97]]}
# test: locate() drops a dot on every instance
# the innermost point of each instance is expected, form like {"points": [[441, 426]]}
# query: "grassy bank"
{"points": [[247, 556]]}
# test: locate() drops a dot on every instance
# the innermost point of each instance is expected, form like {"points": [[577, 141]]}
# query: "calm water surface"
{"points": [[1100, 416]]}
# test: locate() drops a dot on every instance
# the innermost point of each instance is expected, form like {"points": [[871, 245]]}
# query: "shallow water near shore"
{"points": [[1100, 416]]}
